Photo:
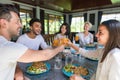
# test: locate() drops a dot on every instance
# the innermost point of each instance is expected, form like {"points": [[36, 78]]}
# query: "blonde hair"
{"points": [[90, 25]]}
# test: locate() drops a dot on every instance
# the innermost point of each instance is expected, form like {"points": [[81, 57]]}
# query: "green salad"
{"points": [[69, 68]]}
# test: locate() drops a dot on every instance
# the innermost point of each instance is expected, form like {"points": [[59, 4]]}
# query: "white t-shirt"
{"points": [[60, 36], [109, 69], [9, 54], [83, 40], [35, 43]]}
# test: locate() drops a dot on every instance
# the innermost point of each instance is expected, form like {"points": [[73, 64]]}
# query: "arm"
{"points": [[91, 53], [18, 74], [86, 53], [43, 44], [41, 55], [76, 77], [73, 46]]}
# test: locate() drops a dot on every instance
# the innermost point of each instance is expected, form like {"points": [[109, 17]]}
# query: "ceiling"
{"points": [[72, 5]]}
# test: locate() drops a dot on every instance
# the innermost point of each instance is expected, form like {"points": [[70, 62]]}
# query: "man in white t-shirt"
{"points": [[11, 52], [33, 39]]}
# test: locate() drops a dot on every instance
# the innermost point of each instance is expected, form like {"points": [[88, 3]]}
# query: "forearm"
{"points": [[74, 47], [41, 55], [85, 53], [54, 52]]}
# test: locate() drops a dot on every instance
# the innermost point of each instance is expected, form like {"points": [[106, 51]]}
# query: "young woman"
{"points": [[109, 61], [85, 37], [63, 31]]}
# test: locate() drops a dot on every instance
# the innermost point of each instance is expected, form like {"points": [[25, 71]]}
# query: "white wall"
{"points": [[6, 1]]}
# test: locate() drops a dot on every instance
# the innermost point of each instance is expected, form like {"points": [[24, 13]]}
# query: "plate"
{"points": [[90, 46], [68, 74], [93, 59], [40, 72], [73, 51]]}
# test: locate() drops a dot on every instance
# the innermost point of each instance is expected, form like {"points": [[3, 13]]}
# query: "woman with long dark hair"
{"points": [[63, 31], [109, 57]]}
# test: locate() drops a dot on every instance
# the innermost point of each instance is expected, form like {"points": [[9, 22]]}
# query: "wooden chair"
{"points": [[49, 38]]}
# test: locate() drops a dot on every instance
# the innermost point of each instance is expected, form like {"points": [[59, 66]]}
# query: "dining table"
{"points": [[58, 74]]}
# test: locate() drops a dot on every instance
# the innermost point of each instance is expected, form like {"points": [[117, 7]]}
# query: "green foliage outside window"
{"points": [[77, 24], [52, 23]]}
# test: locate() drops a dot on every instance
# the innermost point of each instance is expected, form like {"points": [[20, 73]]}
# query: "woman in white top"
{"points": [[63, 31], [85, 37], [109, 57]]}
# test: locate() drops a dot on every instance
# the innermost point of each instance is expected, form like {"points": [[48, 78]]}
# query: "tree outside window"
{"points": [[77, 24]]}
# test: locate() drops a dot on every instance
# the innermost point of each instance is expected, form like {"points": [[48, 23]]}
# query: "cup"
{"points": [[76, 37], [58, 63], [68, 59]]}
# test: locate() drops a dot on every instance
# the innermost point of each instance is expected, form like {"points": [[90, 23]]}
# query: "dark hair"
{"points": [[67, 28], [5, 10], [34, 20], [113, 27]]}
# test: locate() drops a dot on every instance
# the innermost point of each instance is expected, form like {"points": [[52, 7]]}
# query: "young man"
{"points": [[11, 52], [33, 39]]}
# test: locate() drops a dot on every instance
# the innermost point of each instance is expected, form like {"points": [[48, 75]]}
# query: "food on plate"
{"points": [[79, 70], [90, 45], [62, 41], [37, 68], [69, 68], [92, 58]]}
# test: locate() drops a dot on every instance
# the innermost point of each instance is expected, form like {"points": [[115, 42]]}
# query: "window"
{"points": [[25, 16], [77, 24], [52, 23], [110, 16]]}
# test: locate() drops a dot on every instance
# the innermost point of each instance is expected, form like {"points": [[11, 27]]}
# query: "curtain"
{"points": [[99, 17], [70, 19], [85, 17], [42, 15], [64, 16], [34, 12]]}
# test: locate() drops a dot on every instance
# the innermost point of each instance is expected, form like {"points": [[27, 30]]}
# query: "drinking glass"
{"points": [[69, 59], [58, 63], [76, 37]]}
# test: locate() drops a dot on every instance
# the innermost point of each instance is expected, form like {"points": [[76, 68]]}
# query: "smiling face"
{"points": [[102, 35], [36, 28], [86, 27], [63, 29], [14, 25]]}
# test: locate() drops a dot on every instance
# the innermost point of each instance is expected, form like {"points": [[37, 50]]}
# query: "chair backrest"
{"points": [[93, 32], [49, 38]]}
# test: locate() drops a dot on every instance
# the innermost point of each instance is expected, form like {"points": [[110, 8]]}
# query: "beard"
{"points": [[36, 32]]}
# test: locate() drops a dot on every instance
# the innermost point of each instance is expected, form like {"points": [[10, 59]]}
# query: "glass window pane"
{"points": [[110, 16], [77, 24], [52, 23]]}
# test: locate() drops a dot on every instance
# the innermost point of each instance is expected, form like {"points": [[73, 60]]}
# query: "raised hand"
{"points": [[76, 77]]}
